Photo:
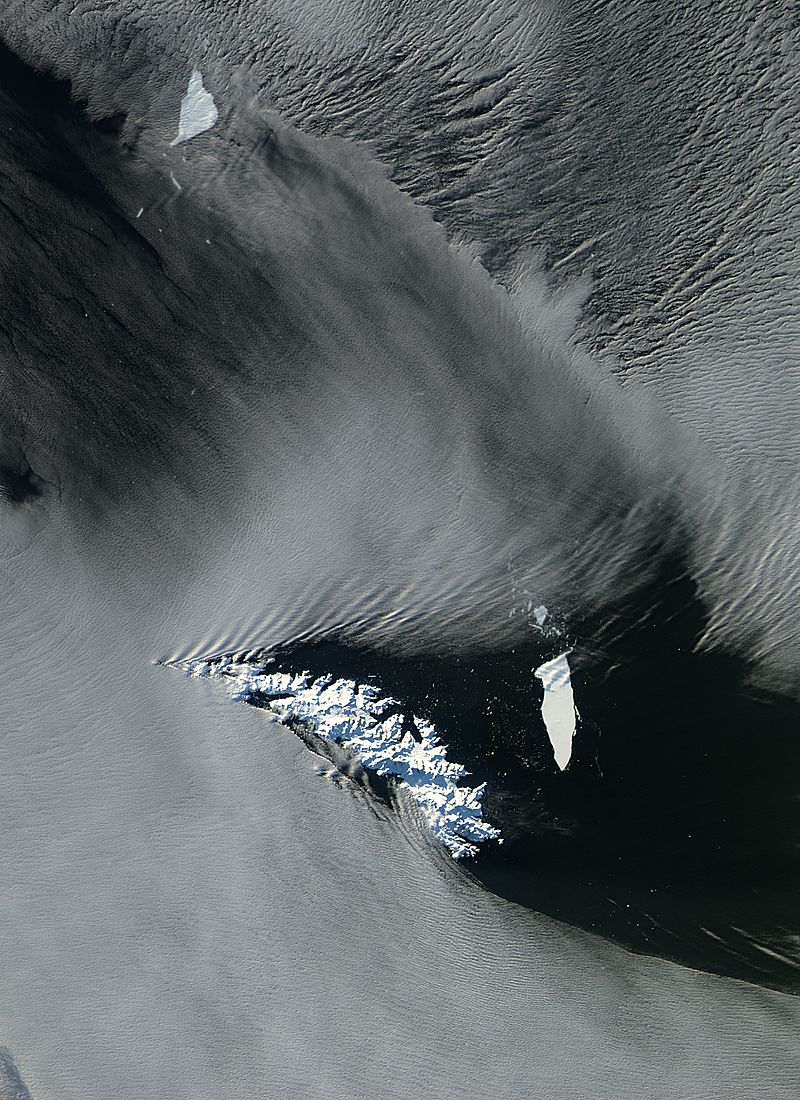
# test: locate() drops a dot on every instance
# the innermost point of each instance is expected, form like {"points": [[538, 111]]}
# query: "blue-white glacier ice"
{"points": [[374, 732]]}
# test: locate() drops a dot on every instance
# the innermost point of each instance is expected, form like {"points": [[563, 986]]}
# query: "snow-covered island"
{"points": [[373, 731]]}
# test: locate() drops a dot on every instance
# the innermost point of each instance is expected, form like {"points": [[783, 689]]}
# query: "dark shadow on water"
{"points": [[19, 484], [12, 1087]]}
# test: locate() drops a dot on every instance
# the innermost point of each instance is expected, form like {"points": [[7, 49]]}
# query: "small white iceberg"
{"points": [[558, 706], [373, 731], [198, 110]]}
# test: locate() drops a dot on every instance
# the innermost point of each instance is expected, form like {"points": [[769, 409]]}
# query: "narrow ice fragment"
{"points": [[558, 707], [540, 613], [198, 110]]}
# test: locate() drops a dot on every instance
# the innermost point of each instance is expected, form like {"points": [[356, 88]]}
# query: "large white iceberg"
{"points": [[198, 110], [558, 707], [371, 728]]}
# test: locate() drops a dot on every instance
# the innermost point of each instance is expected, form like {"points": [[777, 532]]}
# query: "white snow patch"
{"points": [[198, 110], [371, 728], [558, 706]]}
